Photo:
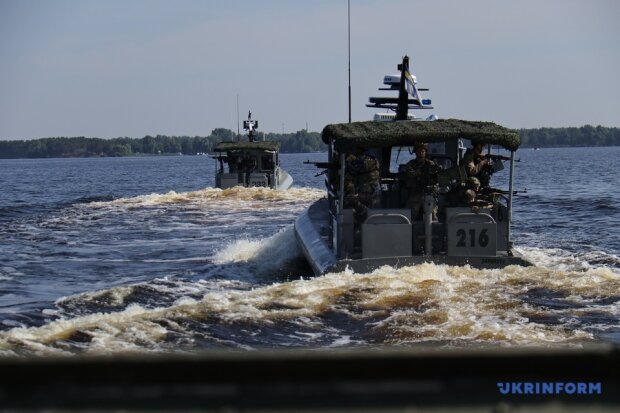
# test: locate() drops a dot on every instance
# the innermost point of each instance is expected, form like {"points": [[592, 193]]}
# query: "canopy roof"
{"points": [[235, 146], [348, 136]]}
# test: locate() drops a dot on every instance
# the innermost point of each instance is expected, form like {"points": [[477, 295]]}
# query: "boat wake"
{"points": [[428, 303], [213, 289], [559, 258], [216, 197], [266, 255]]}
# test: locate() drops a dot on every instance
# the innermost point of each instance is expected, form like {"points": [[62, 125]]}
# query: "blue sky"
{"points": [[137, 67]]}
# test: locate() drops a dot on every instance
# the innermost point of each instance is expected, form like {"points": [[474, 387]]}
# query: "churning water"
{"points": [[141, 254]]}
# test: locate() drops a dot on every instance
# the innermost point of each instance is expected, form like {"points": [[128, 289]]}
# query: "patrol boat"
{"points": [[333, 236], [250, 164]]}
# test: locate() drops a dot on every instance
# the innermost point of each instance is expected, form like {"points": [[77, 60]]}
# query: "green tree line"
{"points": [[300, 141], [559, 137], [58, 147]]}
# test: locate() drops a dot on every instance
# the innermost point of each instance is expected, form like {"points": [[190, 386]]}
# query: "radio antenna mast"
{"points": [[349, 50], [238, 131]]}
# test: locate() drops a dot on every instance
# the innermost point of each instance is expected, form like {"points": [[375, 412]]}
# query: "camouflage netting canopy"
{"points": [[236, 146], [371, 134]]}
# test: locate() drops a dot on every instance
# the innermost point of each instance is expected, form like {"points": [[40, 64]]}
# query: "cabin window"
{"points": [[436, 152], [400, 156]]}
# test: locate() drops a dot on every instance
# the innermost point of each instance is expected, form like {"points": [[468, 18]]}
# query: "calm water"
{"points": [[142, 254]]}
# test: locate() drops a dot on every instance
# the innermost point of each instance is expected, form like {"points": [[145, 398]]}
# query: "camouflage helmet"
{"points": [[422, 145], [473, 181]]}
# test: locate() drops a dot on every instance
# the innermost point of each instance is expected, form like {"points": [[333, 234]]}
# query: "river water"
{"points": [[141, 254]]}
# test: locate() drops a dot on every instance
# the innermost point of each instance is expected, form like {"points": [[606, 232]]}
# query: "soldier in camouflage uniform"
{"points": [[249, 163], [463, 195], [476, 165], [361, 181], [419, 176], [248, 166]]}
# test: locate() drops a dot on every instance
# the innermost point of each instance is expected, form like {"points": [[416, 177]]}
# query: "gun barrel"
{"points": [[513, 192], [500, 157], [322, 165]]}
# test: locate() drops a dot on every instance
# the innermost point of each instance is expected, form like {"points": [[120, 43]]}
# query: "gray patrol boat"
{"points": [[250, 164], [333, 237]]}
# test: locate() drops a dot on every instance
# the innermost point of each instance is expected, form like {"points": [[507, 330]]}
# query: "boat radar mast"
{"points": [[250, 125], [405, 83]]}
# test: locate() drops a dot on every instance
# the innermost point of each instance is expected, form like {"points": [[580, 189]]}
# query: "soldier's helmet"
{"points": [[472, 182], [422, 145]]}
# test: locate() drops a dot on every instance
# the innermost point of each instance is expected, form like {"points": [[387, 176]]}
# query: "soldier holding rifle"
{"points": [[420, 178], [361, 181], [482, 166]]}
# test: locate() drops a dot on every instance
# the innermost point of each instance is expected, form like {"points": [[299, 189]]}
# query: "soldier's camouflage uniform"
{"points": [[420, 178], [472, 164], [475, 168], [460, 196], [248, 165], [361, 182]]}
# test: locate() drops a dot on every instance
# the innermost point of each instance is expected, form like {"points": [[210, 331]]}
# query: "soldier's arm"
{"points": [[473, 168]]}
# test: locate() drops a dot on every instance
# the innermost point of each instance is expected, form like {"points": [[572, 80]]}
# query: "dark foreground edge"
{"points": [[376, 379]]}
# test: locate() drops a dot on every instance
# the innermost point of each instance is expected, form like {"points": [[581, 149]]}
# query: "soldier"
{"points": [[249, 163], [464, 195], [420, 178], [361, 181], [475, 164], [248, 166]]}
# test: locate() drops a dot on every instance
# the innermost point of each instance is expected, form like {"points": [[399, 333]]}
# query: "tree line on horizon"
{"points": [[297, 142], [65, 147], [587, 135]]}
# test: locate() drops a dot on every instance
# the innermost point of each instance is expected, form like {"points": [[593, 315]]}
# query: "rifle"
{"points": [[322, 165], [490, 190], [498, 157], [326, 166]]}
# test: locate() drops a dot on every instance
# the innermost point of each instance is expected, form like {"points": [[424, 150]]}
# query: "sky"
{"points": [[111, 68]]}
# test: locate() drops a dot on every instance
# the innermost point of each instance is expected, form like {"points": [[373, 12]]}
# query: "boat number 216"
{"points": [[482, 238]]}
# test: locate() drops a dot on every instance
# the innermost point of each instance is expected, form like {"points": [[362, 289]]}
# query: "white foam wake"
{"points": [[216, 196], [268, 253], [421, 303], [560, 259]]}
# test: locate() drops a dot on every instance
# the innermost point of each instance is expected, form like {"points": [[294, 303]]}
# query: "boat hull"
{"points": [[282, 182], [312, 233], [285, 181]]}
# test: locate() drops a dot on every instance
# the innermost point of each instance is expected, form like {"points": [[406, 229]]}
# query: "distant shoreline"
{"points": [[298, 142], [170, 155]]}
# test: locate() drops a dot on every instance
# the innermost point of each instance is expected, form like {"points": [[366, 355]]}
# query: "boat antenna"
{"points": [[251, 126], [403, 103], [349, 50], [238, 131]]}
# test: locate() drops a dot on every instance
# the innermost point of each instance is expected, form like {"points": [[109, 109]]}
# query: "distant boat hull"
{"points": [[285, 181], [250, 164], [280, 180]]}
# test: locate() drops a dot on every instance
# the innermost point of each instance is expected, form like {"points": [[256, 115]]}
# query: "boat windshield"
{"points": [[436, 152]]}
